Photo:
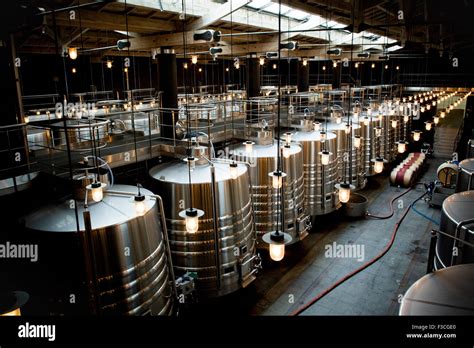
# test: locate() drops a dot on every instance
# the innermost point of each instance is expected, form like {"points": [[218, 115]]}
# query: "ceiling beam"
{"points": [[109, 21], [217, 14]]}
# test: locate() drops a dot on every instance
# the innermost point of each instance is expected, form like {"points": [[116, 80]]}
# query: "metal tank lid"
{"points": [[459, 206], [112, 210], [341, 126], [312, 136], [263, 151], [467, 165], [177, 172]]}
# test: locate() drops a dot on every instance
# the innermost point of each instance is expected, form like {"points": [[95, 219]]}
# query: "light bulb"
{"points": [[185, 65], [192, 222], [442, 114], [410, 98], [422, 109], [140, 206], [416, 135], [406, 118], [237, 65], [248, 147], [373, 65], [316, 126], [436, 119], [277, 251], [357, 141], [73, 70], [200, 69], [356, 65], [421, 100], [305, 62], [274, 66], [109, 64], [401, 146], [451, 107], [325, 157], [394, 123], [428, 125], [194, 59], [397, 67], [277, 178], [72, 52], [428, 107], [434, 103], [378, 165], [322, 136], [234, 170], [324, 67], [348, 128], [97, 191], [386, 66], [334, 64], [366, 121], [125, 70], [262, 61], [344, 192], [286, 150]]}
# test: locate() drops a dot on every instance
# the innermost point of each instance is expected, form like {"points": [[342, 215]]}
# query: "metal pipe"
{"points": [[431, 252], [216, 227], [458, 229], [73, 7]]}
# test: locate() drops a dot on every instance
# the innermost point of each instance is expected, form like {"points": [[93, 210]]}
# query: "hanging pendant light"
{"points": [[378, 164], [401, 146], [442, 114], [191, 217], [347, 129], [72, 51], [97, 190], [262, 61], [277, 178], [322, 136], [406, 118], [357, 141], [428, 107], [286, 150], [344, 191], [428, 125], [378, 131], [276, 241], [366, 121], [288, 137], [394, 123], [234, 170], [338, 119], [249, 147], [325, 157], [416, 135], [436, 119], [194, 59], [316, 126]]}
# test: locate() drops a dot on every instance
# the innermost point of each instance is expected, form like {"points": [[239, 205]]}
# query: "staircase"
{"points": [[444, 139]]}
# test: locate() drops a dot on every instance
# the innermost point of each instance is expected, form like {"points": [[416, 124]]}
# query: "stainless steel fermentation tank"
{"points": [[465, 180], [222, 252], [319, 180], [350, 159], [457, 220], [267, 200], [127, 251]]}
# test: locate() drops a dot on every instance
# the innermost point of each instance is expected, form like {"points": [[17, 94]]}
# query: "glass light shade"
{"points": [[277, 179], [322, 136], [357, 141], [344, 192], [234, 170], [410, 98], [355, 115], [109, 64], [378, 165], [185, 65], [316, 126], [325, 157], [248, 147], [366, 121], [72, 51], [274, 66], [421, 100], [277, 251], [194, 59], [97, 191], [334, 65], [286, 151], [140, 206], [422, 109], [338, 119], [406, 118], [416, 135], [288, 137], [451, 107], [436, 119], [305, 62], [262, 61], [442, 114], [347, 128], [192, 224], [434, 103], [428, 126], [394, 123], [401, 147], [428, 107], [324, 67]]}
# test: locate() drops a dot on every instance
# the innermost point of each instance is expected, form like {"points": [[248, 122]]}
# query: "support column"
{"points": [[253, 76], [168, 84], [303, 77], [336, 76]]}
